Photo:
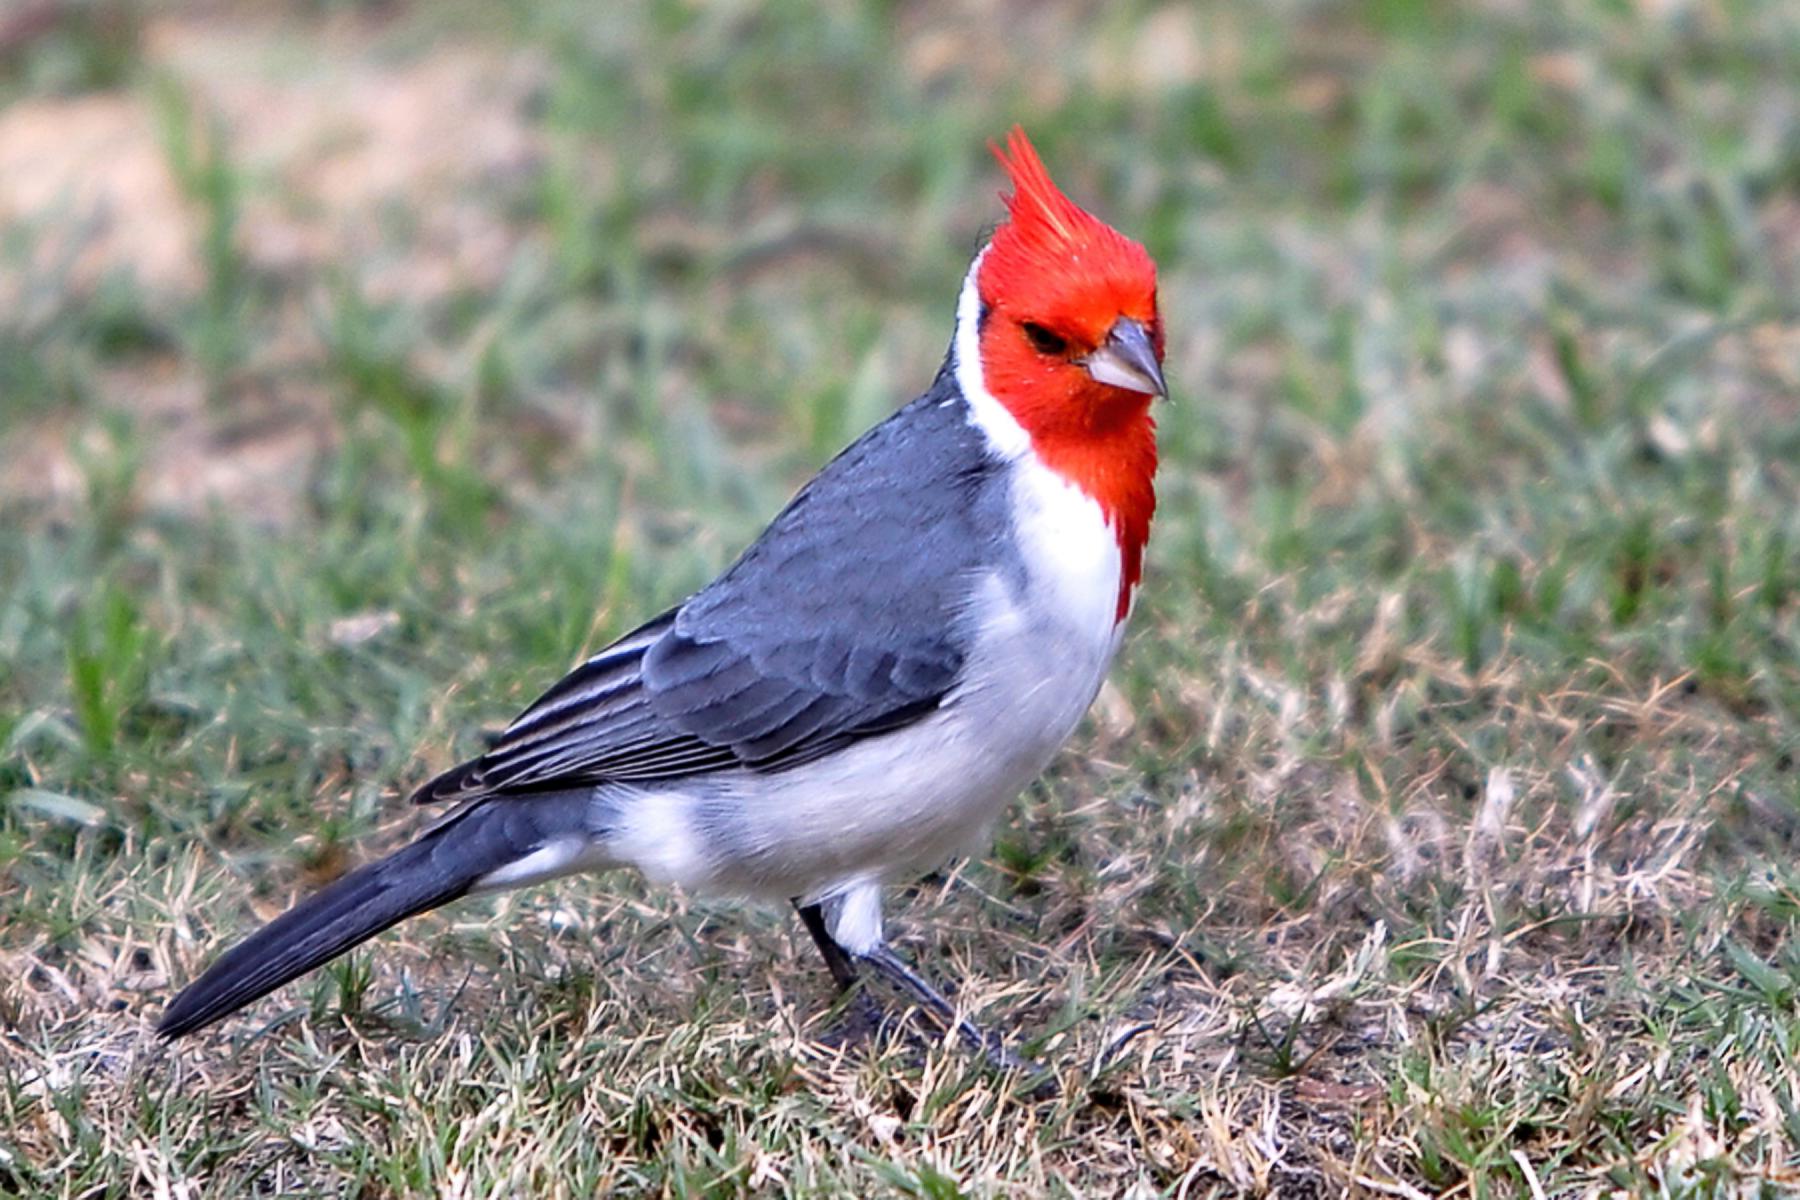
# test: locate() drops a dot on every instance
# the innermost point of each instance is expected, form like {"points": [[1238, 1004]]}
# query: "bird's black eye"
{"points": [[1046, 341]]}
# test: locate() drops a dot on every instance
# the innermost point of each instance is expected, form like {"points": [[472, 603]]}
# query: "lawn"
{"points": [[364, 365]]}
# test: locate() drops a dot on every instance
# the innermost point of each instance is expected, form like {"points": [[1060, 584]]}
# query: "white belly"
{"points": [[894, 805]]}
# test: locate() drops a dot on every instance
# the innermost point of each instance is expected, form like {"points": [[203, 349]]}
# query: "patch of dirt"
{"points": [[403, 168], [87, 178], [400, 171]]}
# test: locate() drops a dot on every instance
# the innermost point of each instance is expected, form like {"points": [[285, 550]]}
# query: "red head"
{"points": [[1072, 345]]}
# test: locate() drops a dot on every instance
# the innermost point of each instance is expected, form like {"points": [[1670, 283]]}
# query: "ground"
{"points": [[362, 365]]}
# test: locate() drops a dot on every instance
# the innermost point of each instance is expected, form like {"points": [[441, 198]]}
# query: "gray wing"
{"points": [[841, 622]]}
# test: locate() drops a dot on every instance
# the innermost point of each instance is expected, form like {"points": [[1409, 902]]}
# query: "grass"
{"points": [[1435, 836]]}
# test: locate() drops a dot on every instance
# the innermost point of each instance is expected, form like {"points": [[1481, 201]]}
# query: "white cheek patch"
{"points": [[1005, 436]]}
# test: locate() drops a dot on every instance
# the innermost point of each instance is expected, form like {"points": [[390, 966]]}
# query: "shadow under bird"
{"points": [[856, 699]]}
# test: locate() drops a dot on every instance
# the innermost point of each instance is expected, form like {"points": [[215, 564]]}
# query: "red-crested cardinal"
{"points": [[858, 696]]}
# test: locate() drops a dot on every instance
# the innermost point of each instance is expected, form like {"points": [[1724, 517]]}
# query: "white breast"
{"points": [[1072, 559], [889, 807]]}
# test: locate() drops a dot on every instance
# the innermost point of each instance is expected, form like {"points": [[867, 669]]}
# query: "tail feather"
{"points": [[444, 863]]}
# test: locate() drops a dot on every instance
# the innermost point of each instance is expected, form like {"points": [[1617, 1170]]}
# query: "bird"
{"points": [[854, 701]]}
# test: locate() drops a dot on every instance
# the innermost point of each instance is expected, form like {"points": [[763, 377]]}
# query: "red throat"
{"points": [[1053, 283], [1110, 457]]}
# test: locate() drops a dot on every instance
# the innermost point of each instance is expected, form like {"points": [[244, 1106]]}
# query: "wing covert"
{"points": [[843, 621]]}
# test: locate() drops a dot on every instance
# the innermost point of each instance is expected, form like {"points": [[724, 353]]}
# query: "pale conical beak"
{"points": [[1127, 359]]}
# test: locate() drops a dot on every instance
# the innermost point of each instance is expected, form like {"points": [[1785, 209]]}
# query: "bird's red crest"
{"points": [[1058, 257], [1054, 283]]}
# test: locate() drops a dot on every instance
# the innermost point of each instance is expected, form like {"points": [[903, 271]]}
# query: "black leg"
{"points": [[842, 969], [863, 1020]]}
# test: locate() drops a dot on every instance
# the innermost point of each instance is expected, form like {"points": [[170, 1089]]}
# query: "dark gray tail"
{"points": [[440, 866]]}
